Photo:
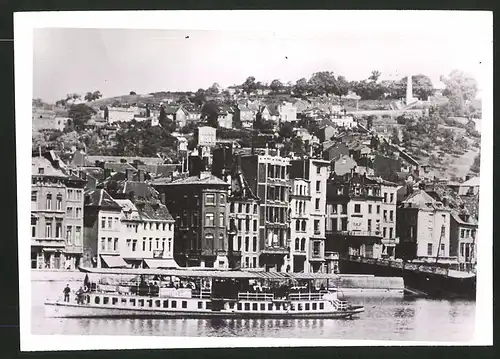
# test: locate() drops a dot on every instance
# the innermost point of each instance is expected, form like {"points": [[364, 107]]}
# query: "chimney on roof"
{"points": [[162, 198], [140, 174], [129, 174], [467, 177]]}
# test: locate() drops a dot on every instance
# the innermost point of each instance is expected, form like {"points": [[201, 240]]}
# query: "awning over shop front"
{"points": [[167, 263], [114, 261]]}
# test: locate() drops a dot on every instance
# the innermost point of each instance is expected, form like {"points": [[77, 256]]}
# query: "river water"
{"points": [[383, 319]]}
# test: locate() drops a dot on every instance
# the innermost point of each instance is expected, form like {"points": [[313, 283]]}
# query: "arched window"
{"points": [[303, 225], [300, 207], [59, 202], [297, 244], [221, 241], [303, 244], [297, 225]]}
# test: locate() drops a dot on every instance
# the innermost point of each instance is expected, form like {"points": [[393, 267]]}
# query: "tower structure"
{"points": [[409, 90]]}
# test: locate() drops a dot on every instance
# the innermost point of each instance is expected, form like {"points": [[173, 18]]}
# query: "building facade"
{"points": [[199, 207], [268, 178], [56, 217], [463, 235], [423, 226], [308, 206], [356, 206], [119, 233]]}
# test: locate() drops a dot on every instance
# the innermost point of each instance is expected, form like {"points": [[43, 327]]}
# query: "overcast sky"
{"points": [[117, 61]]}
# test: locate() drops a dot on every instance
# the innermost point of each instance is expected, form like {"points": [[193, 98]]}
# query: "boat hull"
{"points": [[70, 310]]}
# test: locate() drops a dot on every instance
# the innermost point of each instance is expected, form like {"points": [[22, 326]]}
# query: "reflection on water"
{"points": [[384, 319]]}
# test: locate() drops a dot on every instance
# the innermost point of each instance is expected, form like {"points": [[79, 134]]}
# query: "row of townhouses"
{"points": [[259, 211]]}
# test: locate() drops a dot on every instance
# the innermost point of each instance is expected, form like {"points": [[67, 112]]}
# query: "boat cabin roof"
{"points": [[229, 274]]}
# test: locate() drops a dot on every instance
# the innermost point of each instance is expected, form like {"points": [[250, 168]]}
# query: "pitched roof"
{"points": [[119, 167], [156, 211], [472, 182], [198, 180], [470, 220], [100, 198], [421, 199], [38, 163]]}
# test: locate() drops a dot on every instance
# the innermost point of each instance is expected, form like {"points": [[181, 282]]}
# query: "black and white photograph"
{"points": [[254, 178]]}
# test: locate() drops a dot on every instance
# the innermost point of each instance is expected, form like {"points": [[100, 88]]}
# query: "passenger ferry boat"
{"points": [[198, 294]]}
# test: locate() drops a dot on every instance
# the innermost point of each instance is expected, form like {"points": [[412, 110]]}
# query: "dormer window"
{"points": [[40, 170]]}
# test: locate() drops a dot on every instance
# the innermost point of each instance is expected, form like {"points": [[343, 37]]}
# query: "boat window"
{"points": [[184, 304], [292, 307], [270, 306], [254, 306], [165, 304], [174, 304], [114, 301], [307, 306], [88, 299], [231, 305], [299, 306], [150, 303], [200, 305], [208, 305], [158, 303], [315, 306], [141, 302], [240, 307], [124, 301], [97, 300], [247, 306], [132, 302], [262, 306], [321, 305], [105, 300]]}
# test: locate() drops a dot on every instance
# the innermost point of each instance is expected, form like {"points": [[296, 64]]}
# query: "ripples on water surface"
{"points": [[384, 319]]}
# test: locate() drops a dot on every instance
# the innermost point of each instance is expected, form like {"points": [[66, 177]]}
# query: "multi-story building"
{"points": [[361, 212], [423, 227], [56, 217], [308, 206], [199, 206], [463, 234], [147, 234], [243, 222], [102, 231], [120, 233], [268, 178]]}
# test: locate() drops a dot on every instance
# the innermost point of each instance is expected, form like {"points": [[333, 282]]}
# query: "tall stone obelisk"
{"points": [[409, 90]]}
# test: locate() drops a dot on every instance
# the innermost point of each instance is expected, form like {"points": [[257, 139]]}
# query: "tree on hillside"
{"points": [[132, 93], [91, 96], [341, 87], [323, 83], [249, 85], [460, 89], [375, 75], [80, 114], [476, 165], [37, 102], [214, 89], [210, 113], [301, 86], [276, 85], [199, 97]]}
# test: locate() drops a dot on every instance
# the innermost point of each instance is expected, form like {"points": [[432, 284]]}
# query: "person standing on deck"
{"points": [[66, 292]]}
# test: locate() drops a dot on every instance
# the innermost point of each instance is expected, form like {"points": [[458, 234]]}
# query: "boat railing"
{"points": [[255, 296], [202, 293], [340, 304], [307, 296]]}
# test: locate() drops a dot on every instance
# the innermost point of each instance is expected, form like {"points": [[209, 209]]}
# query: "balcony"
{"points": [[275, 250], [375, 234], [48, 242]]}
